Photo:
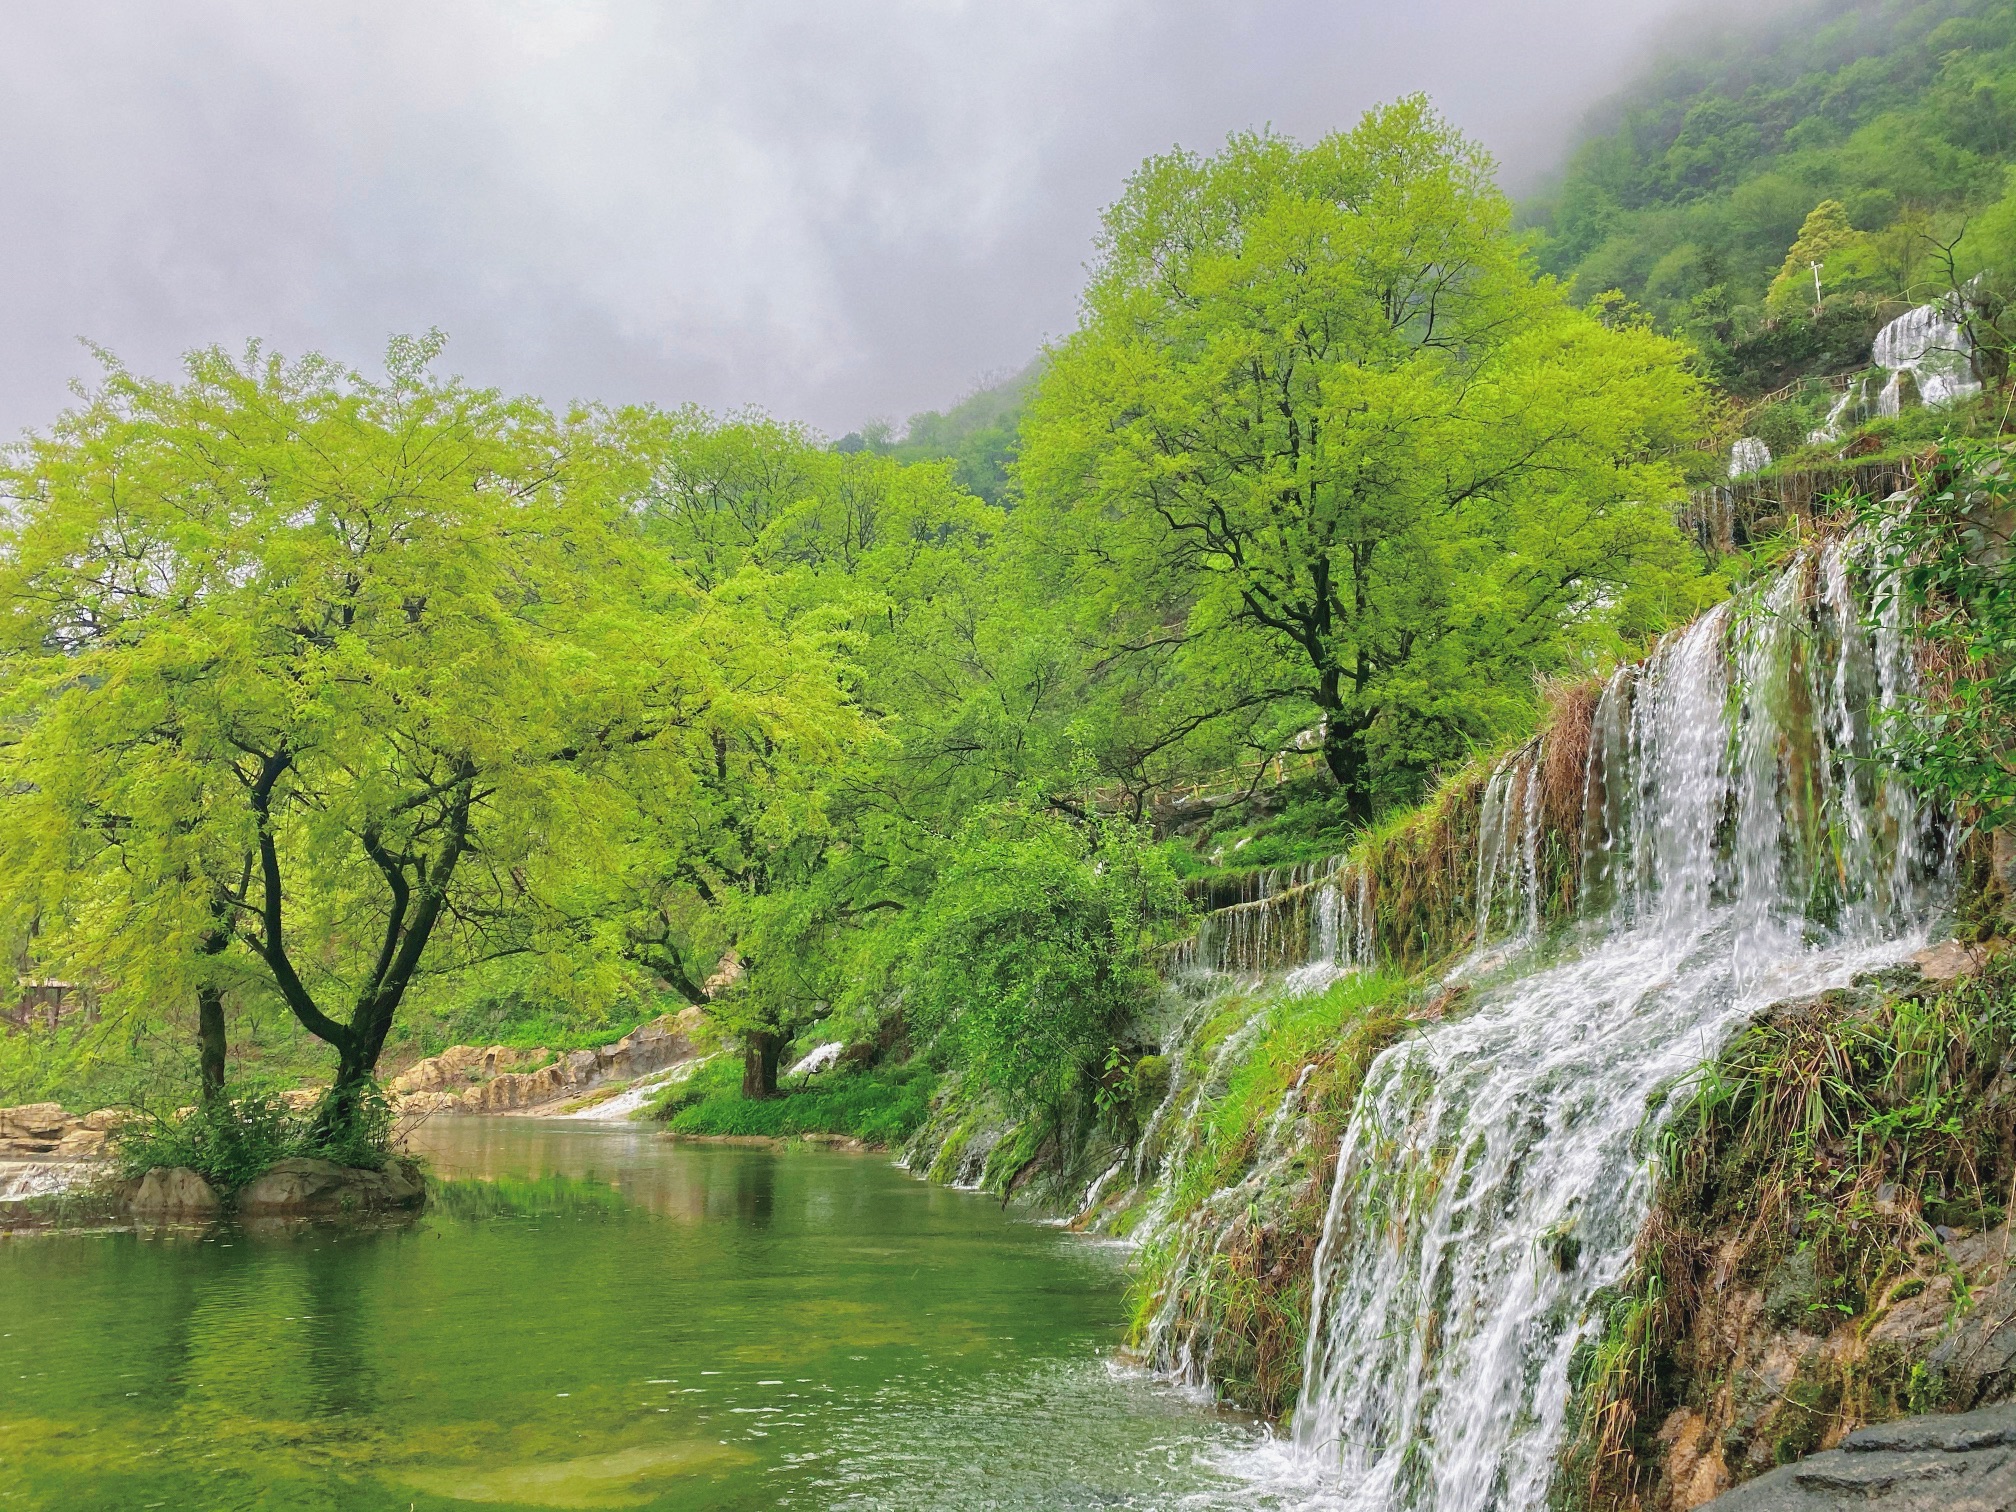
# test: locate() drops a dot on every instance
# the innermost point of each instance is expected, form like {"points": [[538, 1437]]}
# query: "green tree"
{"points": [[1324, 437], [1027, 961], [371, 679], [785, 869], [1802, 280]]}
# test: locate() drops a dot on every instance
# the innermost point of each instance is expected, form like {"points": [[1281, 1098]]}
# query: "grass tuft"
{"points": [[880, 1106]]}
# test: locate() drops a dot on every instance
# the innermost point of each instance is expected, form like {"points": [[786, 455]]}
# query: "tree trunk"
{"points": [[344, 1118], [760, 1052], [210, 1014], [210, 1039], [1344, 754]]}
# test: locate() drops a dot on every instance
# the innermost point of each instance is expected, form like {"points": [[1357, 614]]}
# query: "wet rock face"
{"points": [[1964, 1462], [1772, 1364]]}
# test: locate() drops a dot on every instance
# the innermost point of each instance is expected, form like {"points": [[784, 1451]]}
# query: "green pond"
{"points": [[595, 1316]]}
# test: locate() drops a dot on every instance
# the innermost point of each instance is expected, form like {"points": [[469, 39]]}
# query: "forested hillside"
{"points": [[980, 435], [1876, 135]]}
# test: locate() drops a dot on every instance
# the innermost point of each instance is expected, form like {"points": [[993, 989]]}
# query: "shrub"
{"points": [[1027, 959], [230, 1140]]}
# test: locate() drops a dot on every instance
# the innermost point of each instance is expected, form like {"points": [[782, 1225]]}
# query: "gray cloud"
{"points": [[829, 208]]}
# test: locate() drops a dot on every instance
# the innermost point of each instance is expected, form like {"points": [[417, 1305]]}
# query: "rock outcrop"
{"points": [[465, 1079], [43, 1131], [1960, 1463], [1944, 1334], [323, 1189]]}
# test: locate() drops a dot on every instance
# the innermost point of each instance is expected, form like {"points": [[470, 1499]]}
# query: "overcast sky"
{"points": [[832, 209]]}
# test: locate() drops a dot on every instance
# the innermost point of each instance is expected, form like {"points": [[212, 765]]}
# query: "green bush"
{"points": [[1027, 959]]}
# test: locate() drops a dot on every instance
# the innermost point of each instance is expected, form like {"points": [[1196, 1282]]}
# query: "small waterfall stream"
{"points": [[1738, 846]]}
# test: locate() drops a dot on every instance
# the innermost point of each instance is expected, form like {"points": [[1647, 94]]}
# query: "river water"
{"points": [[596, 1317]]}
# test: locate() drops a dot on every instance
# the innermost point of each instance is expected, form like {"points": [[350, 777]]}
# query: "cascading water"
{"points": [[1748, 457], [1736, 850], [1852, 408], [639, 1095], [1508, 852], [1312, 920], [1931, 345]]}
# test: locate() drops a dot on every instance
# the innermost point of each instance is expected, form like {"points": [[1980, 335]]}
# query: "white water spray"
{"points": [[1931, 345], [1736, 851]]}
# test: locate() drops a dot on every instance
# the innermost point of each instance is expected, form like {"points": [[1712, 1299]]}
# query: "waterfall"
{"points": [[1931, 345], [1852, 408], [1737, 848], [1748, 457], [1509, 884], [639, 1095], [1312, 920]]}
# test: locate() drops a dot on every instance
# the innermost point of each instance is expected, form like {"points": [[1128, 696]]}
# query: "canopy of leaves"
{"points": [[1027, 961], [1326, 452], [357, 681]]}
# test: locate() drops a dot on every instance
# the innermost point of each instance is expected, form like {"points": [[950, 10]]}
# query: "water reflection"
{"points": [[593, 1317]]}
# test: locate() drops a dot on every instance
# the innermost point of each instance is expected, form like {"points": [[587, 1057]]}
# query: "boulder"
{"points": [[1958, 1462], [170, 1194], [321, 1188], [1948, 961], [81, 1143]]}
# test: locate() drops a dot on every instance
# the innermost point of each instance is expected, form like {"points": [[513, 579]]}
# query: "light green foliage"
{"points": [[883, 1105], [1338, 1031], [1826, 234], [357, 682], [1026, 963], [1953, 549], [894, 566], [1327, 448]]}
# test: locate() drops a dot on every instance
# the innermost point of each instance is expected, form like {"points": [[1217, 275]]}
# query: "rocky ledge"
{"points": [[43, 1132], [291, 1189], [1963, 1462], [468, 1079]]}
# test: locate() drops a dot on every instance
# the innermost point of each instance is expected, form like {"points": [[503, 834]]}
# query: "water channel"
{"points": [[593, 1316]]}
